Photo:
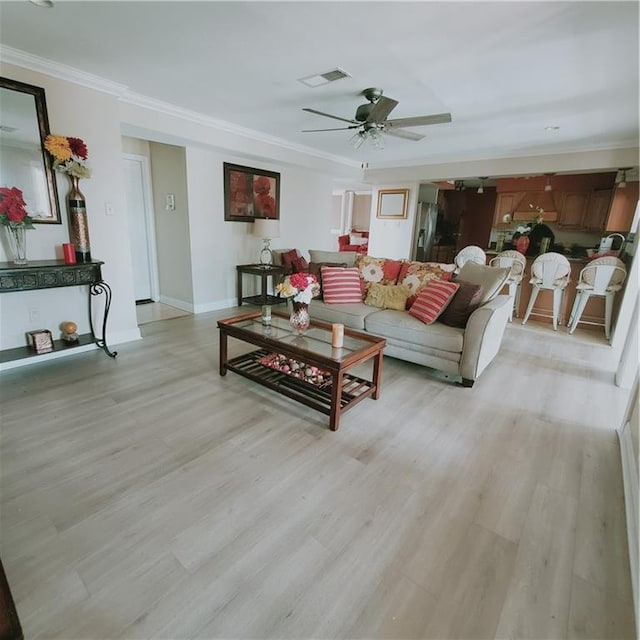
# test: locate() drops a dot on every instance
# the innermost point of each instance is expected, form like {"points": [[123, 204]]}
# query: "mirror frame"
{"points": [[43, 128]]}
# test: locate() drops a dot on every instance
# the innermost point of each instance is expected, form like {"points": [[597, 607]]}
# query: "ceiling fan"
{"points": [[371, 120]]}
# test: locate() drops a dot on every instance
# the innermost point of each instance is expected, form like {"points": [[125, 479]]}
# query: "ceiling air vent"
{"points": [[319, 79]]}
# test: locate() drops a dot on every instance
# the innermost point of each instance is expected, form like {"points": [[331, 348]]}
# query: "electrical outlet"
{"points": [[108, 209], [170, 202], [34, 315]]}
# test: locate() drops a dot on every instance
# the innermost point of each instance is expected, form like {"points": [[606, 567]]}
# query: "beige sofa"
{"points": [[462, 352]]}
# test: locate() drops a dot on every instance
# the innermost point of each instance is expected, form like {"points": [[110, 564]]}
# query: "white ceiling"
{"points": [[505, 70]]}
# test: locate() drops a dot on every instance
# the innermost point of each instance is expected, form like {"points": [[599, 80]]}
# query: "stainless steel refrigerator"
{"points": [[425, 231]]}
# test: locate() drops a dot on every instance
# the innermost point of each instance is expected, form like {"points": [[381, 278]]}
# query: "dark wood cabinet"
{"points": [[623, 207], [597, 210], [505, 204], [573, 209]]}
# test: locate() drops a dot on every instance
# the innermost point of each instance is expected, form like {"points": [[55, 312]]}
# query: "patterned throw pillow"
{"points": [[387, 296], [465, 301], [433, 299], [315, 268], [415, 275], [341, 285], [380, 270], [293, 262]]}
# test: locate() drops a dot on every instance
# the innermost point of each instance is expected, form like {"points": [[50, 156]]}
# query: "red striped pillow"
{"points": [[341, 285], [433, 300]]}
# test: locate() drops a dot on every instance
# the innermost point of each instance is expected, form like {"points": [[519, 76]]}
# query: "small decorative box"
{"points": [[40, 340]]}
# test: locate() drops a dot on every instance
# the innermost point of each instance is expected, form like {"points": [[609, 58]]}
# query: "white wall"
{"points": [[393, 238], [218, 246], [93, 116], [173, 244]]}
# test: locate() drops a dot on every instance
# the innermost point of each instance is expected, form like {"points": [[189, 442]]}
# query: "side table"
{"points": [[263, 271]]}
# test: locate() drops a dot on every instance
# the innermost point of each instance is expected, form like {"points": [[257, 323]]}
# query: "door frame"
{"points": [[150, 227]]}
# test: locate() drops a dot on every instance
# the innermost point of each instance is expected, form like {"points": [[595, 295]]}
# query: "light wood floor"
{"points": [[146, 497]]}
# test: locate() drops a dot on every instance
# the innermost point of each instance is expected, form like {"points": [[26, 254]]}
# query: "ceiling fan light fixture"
{"points": [[357, 140]]}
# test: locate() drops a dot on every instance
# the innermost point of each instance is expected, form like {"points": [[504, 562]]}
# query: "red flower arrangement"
{"points": [[13, 209]]}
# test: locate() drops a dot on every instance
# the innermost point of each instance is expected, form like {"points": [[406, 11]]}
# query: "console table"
{"points": [[49, 274], [263, 271]]}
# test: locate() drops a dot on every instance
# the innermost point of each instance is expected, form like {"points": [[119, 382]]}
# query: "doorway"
{"points": [[139, 209]]}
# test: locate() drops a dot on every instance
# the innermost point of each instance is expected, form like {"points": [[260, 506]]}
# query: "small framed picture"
{"points": [[392, 203], [40, 340]]}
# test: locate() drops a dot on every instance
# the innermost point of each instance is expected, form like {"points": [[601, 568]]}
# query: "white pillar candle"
{"points": [[337, 336]]}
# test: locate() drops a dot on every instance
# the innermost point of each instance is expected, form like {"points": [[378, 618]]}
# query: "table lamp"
{"points": [[266, 229]]}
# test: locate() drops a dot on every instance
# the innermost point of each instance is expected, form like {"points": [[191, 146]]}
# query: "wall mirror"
{"points": [[24, 163]]}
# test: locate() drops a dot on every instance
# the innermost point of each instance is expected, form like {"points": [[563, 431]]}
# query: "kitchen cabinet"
{"points": [[597, 210], [505, 203], [623, 207], [573, 209]]}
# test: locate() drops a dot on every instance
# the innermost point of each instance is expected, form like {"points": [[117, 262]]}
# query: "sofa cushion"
{"points": [[491, 279], [333, 256], [465, 301], [387, 296], [401, 326], [432, 300], [350, 315], [315, 268], [341, 285], [415, 275]]}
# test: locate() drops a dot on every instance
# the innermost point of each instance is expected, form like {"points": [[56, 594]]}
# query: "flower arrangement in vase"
{"points": [[300, 288], [16, 220], [70, 156]]}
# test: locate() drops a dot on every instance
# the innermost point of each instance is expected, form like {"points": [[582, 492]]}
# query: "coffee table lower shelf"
{"points": [[354, 389]]}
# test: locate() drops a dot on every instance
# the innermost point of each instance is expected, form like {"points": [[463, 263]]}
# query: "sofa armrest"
{"points": [[483, 336]]}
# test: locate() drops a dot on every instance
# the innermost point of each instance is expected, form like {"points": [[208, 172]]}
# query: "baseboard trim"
{"points": [[631, 490], [178, 304], [215, 306]]}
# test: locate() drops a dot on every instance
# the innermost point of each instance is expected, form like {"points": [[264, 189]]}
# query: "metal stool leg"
{"points": [[608, 310], [557, 303], [581, 299]]}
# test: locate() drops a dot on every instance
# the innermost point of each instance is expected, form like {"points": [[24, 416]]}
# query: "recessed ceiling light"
{"points": [[318, 79], [552, 128], [47, 4]]}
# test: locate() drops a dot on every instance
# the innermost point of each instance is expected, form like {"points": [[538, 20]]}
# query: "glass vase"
{"points": [[17, 240], [78, 225], [299, 318]]}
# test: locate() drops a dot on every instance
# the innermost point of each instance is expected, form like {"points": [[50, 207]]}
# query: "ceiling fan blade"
{"points": [[381, 109], [418, 121], [328, 115], [355, 126], [401, 133]]}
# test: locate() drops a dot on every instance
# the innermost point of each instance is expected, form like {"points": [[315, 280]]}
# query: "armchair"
{"points": [[344, 244]]}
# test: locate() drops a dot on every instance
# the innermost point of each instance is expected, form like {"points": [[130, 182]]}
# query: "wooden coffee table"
{"points": [[318, 374]]}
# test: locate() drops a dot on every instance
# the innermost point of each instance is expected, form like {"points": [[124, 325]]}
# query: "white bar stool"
{"points": [[549, 271], [602, 277], [472, 253], [515, 261]]}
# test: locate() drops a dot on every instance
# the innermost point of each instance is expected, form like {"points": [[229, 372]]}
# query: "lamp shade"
{"points": [[266, 228]]}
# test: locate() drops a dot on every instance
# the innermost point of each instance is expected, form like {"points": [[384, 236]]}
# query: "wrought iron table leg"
{"points": [[96, 289]]}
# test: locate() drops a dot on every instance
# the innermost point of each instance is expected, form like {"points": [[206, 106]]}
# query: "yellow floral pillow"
{"points": [[387, 296]]}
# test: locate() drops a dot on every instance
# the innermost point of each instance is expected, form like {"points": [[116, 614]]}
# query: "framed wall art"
{"points": [[250, 193], [392, 203]]}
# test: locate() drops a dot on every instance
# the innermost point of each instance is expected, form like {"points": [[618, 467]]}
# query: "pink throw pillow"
{"points": [[340, 285], [433, 300]]}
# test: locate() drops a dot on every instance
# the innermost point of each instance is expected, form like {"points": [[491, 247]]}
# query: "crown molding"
{"points": [[9, 55], [169, 109], [64, 72]]}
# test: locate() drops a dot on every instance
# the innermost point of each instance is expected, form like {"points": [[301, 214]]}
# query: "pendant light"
{"points": [[623, 178], [548, 187], [481, 187]]}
